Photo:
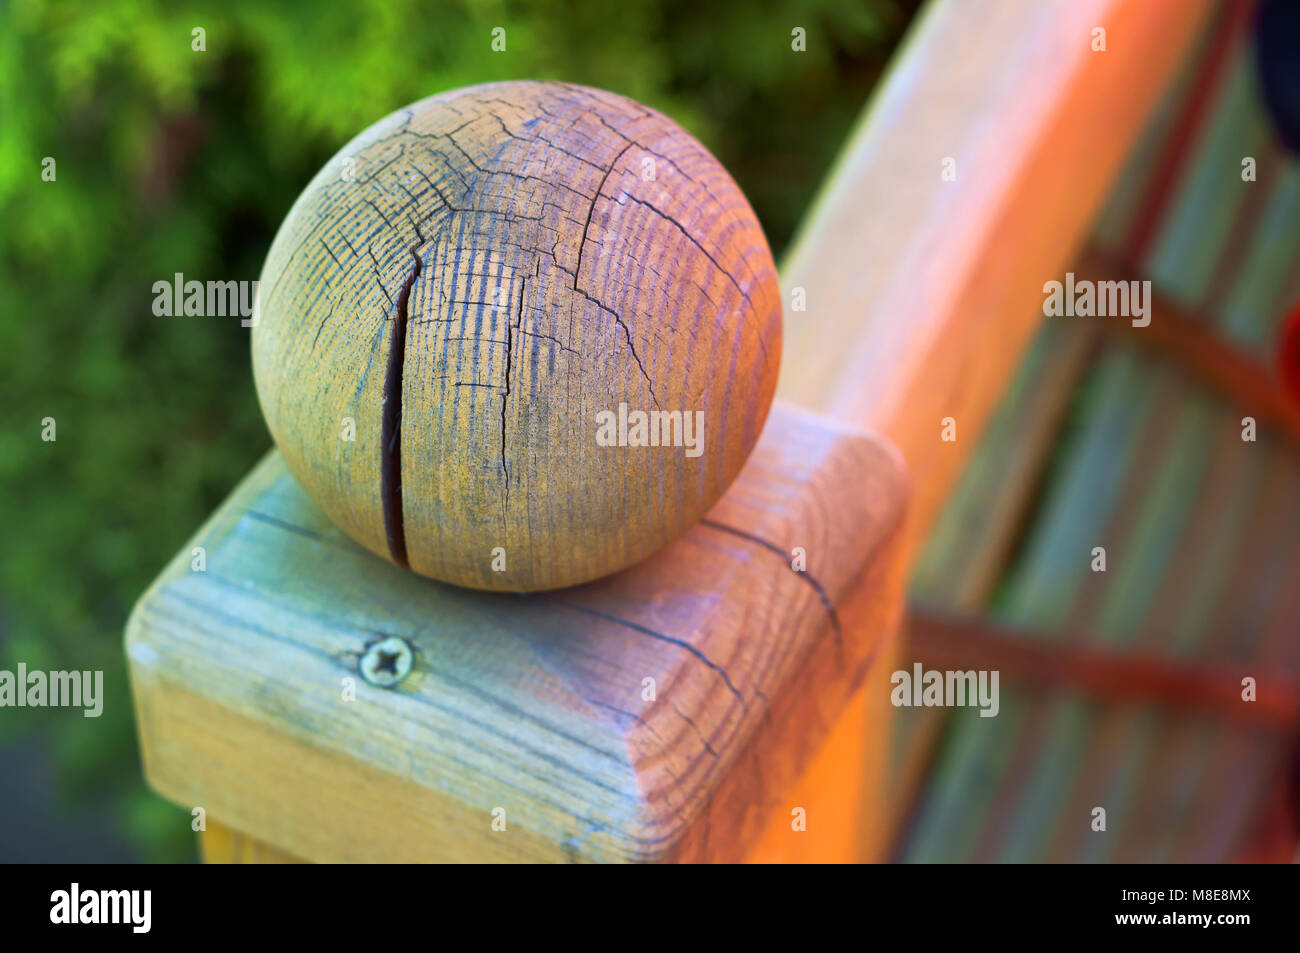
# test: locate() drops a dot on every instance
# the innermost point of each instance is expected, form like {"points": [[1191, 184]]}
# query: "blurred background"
{"points": [[1123, 687], [174, 160]]}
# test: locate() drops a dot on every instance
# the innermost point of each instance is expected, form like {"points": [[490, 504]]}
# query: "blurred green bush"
{"points": [[174, 160]]}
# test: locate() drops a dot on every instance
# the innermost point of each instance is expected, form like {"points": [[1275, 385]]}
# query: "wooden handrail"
{"points": [[922, 293]]}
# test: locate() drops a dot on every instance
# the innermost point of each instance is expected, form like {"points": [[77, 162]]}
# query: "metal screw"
{"points": [[387, 661]]}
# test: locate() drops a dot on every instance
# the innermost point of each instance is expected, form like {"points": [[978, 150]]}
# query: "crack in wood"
{"points": [[390, 489], [807, 576]]}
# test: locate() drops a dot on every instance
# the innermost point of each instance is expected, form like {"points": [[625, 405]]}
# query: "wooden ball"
{"points": [[484, 313]]}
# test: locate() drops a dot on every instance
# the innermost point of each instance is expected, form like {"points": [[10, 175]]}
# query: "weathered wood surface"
{"points": [[923, 293], [531, 703], [468, 284]]}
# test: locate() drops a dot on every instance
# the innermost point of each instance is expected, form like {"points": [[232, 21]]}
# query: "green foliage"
{"points": [[171, 160]]}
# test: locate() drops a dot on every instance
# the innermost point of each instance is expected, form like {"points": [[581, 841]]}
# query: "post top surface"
{"points": [[601, 720]]}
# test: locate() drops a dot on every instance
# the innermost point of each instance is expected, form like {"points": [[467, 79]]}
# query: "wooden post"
{"points": [[664, 713], [219, 844]]}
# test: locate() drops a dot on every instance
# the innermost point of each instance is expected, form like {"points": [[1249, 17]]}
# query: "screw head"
{"points": [[387, 661]]}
